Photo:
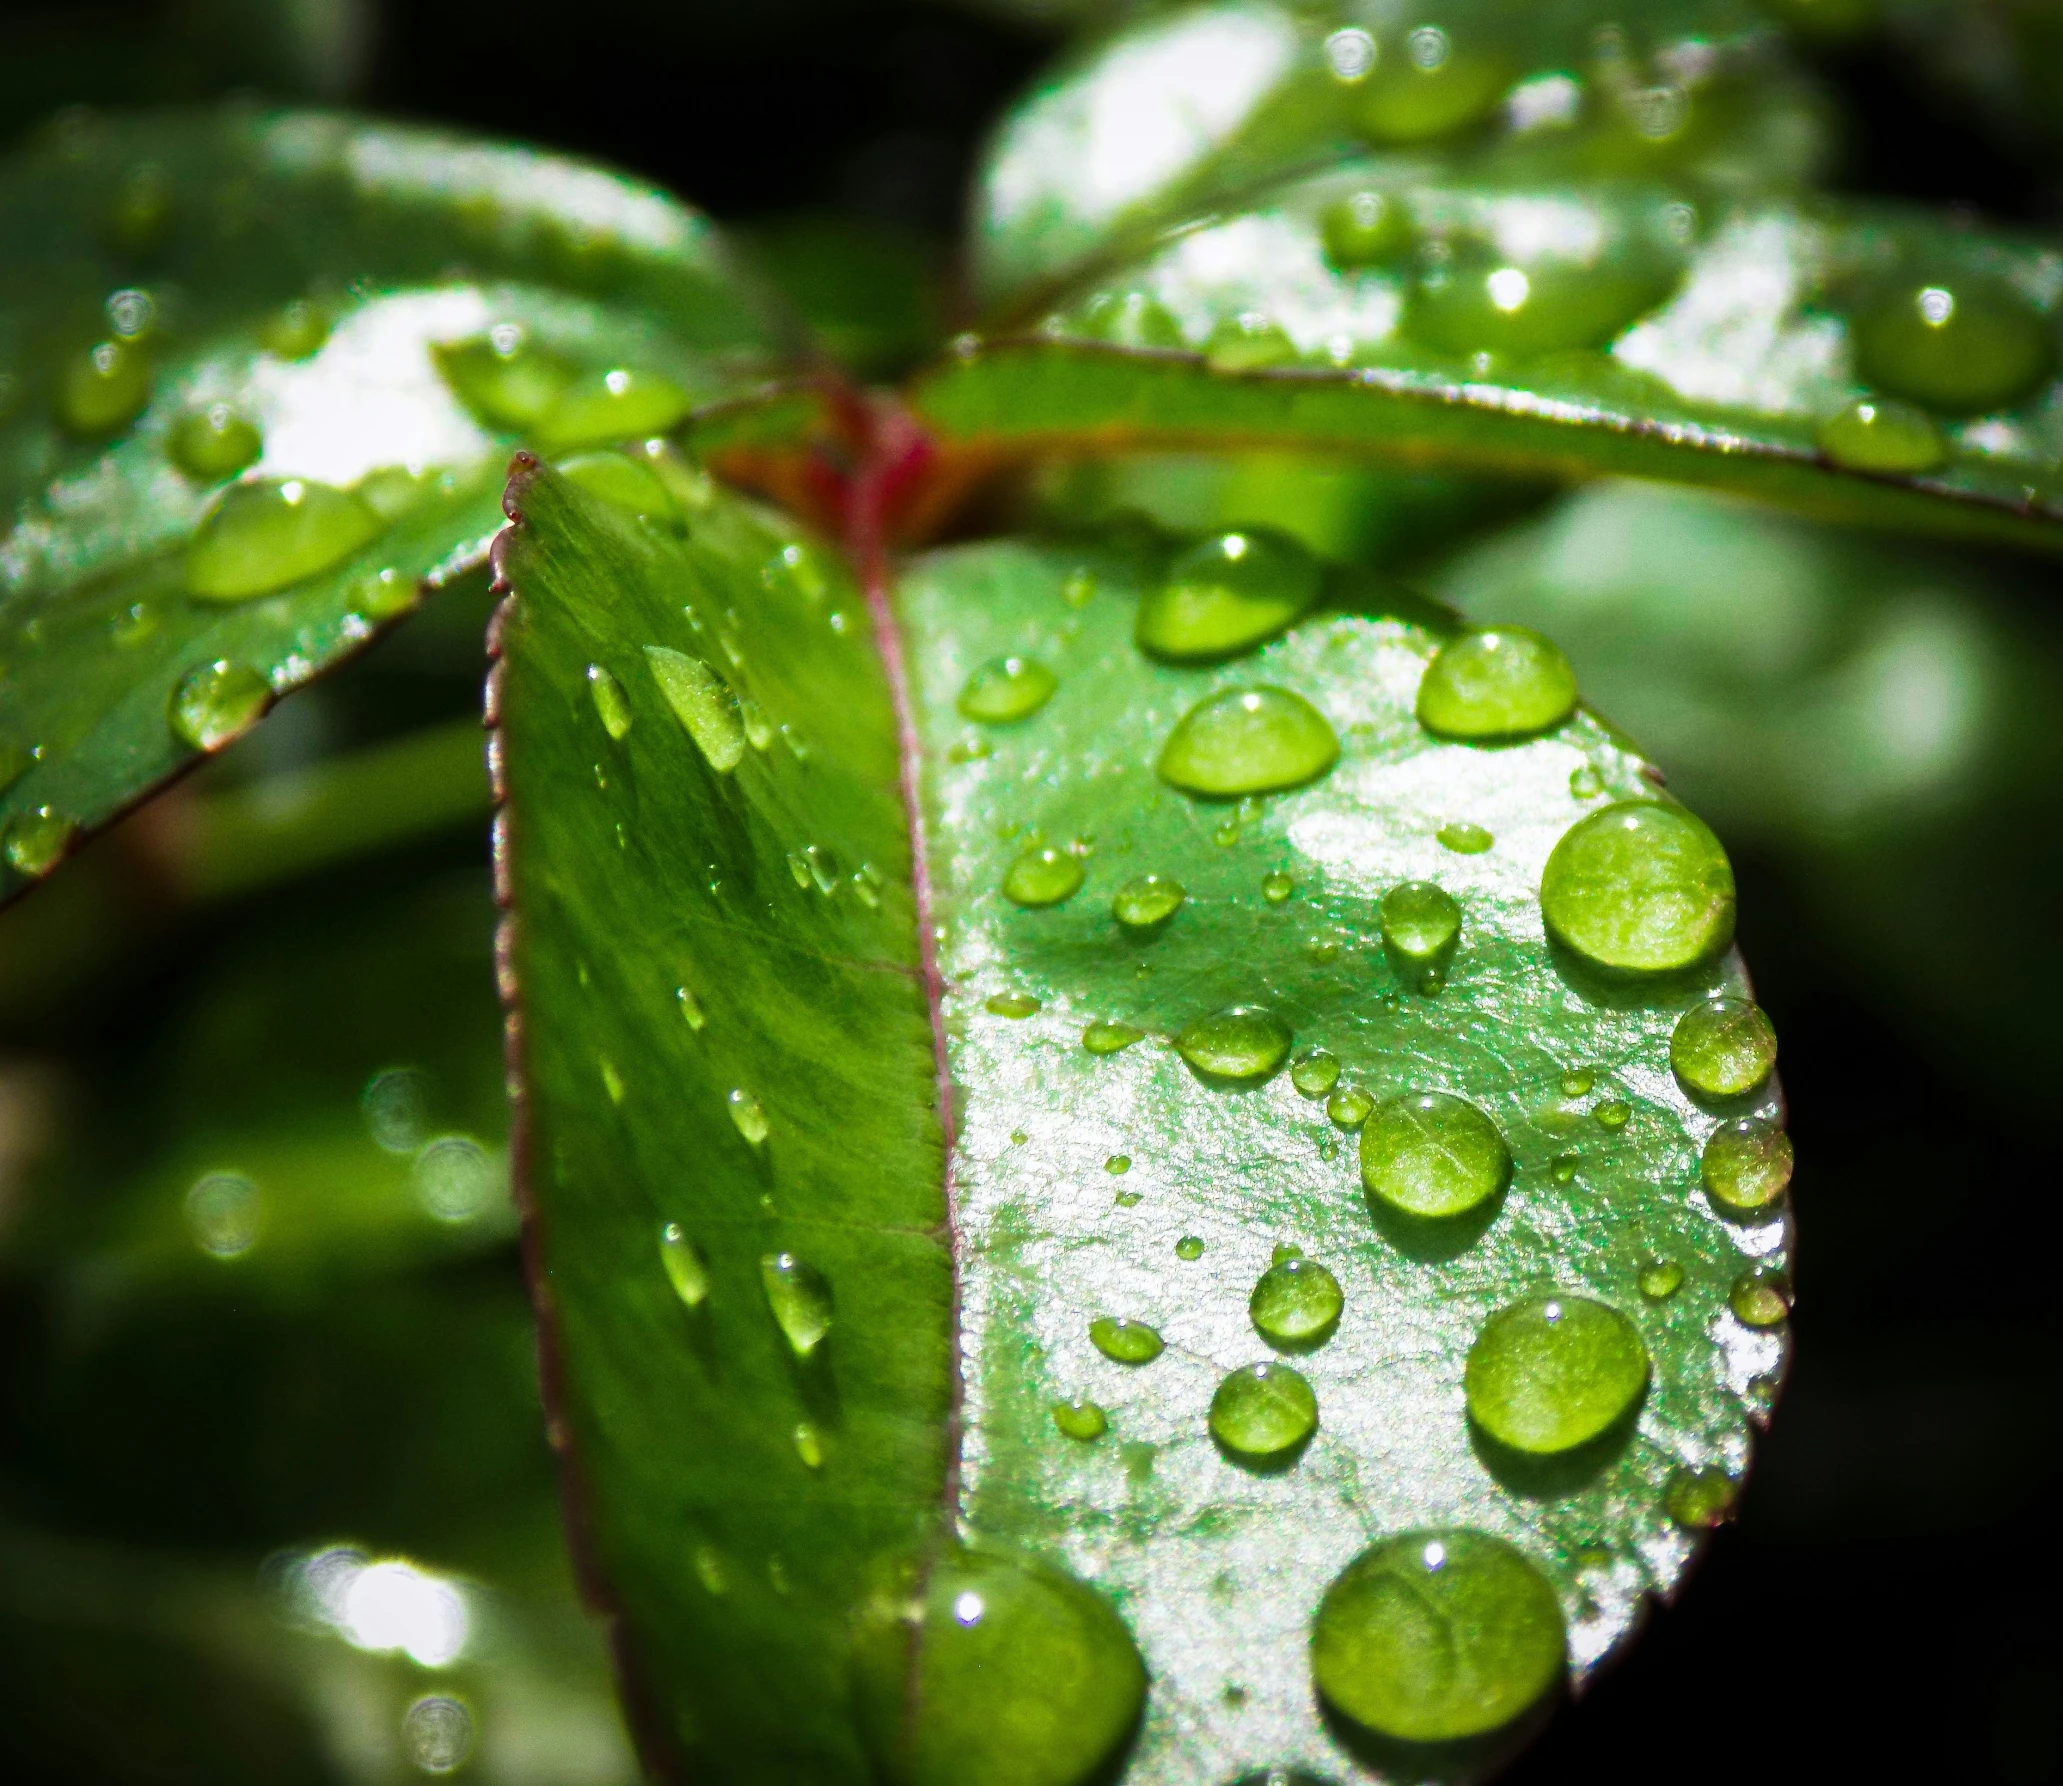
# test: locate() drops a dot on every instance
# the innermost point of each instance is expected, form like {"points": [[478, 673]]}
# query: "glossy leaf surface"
{"points": [[1125, 1156], [259, 375]]}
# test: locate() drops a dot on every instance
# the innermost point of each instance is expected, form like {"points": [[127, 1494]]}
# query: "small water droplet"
{"points": [[1639, 887], [1746, 1166], [1242, 1045], [1147, 901], [1081, 1419], [1723, 1048], [1349, 1106], [295, 330], [1433, 1156], [1420, 925], [1366, 229], [611, 703], [223, 1213], [1124, 1341], [1699, 1499], [1042, 877], [748, 1117], [1761, 1296], [1126, 319], [826, 873], [704, 704], [1577, 1081], [1226, 594], [1263, 1412], [396, 1105], [1314, 1073], [104, 389], [437, 1734], [133, 624], [1276, 888], [1189, 1247], [1553, 1372], [809, 1445], [1297, 1303], [35, 841], [1464, 838], [504, 377], [619, 404], [269, 535], [612, 1082], [1248, 741], [218, 703], [1494, 683], [1585, 783], [1435, 1636], [1012, 1004], [622, 482], [213, 443], [1118, 1164], [1007, 690], [710, 1571], [1613, 1114], [1563, 1169], [1106, 1037], [1886, 437], [1660, 1279], [455, 1179], [798, 872], [1961, 347], [691, 1010], [800, 1297], [686, 1270]]}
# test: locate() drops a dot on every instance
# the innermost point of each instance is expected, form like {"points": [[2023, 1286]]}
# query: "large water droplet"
{"points": [[1746, 1166], [1263, 1412], [1149, 900], [1297, 1303], [1640, 887], [1962, 346], [1496, 682], [36, 841], [611, 703], [702, 701], [1314, 1073], [504, 378], [1427, 86], [1241, 1045], [1081, 1419], [1042, 877], [1366, 228], [619, 404], [213, 443], [1434, 1636], [1879, 435], [105, 389], [1248, 741], [1553, 1372], [1432, 1156], [977, 1666], [1010, 688], [800, 1297], [1124, 1340], [1225, 595], [686, 1270], [1723, 1048], [1478, 302], [1420, 925], [218, 702], [748, 1115], [271, 534]]}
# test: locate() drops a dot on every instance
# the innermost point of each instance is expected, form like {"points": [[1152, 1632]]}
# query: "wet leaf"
{"points": [[1084, 1226], [259, 377]]}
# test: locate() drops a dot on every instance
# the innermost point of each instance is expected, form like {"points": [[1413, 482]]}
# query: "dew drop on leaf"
{"points": [[1105, 1037], [1081, 1419], [1613, 1114], [1723, 1048], [1496, 682], [271, 534], [1428, 86], [1432, 1156], [620, 404], [1585, 783], [1365, 229], [1012, 1004], [1640, 887], [1147, 901], [1117, 1166], [35, 841], [1746, 1166], [218, 702], [800, 1297], [612, 705], [1042, 877], [686, 1270], [1263, 1412], [1349, 1106], [1248, 741], [809, 1445], [504, 378], [1123, 1340], [213, 443], [1276, 888], [1464, 838], [1189, 1248], [1760, 1296], [1297, 1303], [1420, 923], [1660, 1279], [1240, 1045], [1314, 1073], [1553, 1372], [1434, 1636], [104, 389], [748, 1116], [1006, 690], [702, 701], [1699, 1499], [1962, 347], [1880, 435], [1225, 595], [295, 330], [621, 482]]}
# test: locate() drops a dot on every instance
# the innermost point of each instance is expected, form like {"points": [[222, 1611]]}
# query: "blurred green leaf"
{"points": [[869, 293]]}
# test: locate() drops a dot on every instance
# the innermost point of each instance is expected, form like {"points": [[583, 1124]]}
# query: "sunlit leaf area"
{"points": [[1030, 892]]}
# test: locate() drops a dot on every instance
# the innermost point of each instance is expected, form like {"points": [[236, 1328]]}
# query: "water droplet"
{"points": [[1297, 1303], [396, 1105], [133, 624], [809, 1445], [505, 378], [1746, 1166], [1010, 688], [1012, 1004], [1496, 682], [223, 1211], [1723, 1048], [1263, 1412], [1879, 435], [1042, 877], [1420, 924], [454, 1178], [1118, 1165], [1432, 1156], [1613, 1114], [105, 389], [274, 533], [1464, 838], [980, 1666], [800, 1297], [213, 443], [1563, 1168], [1660, 1279], [1639, 887], [1962, 348], [1585, 783], [690, 1008], [437, 1734], [709, 1570], [1189, 1247], [702, 701], [1366, 229], [1124, 1341], [1699, 1499], [1225, 595], [1314, 1073], [1349, 1106], [1081, 1419], [1475, 301], [826, 873], [381, 594], [619, 404], [1105, 1037], [1241, 1045], [686, 1270], [1276, 888], [1434, 1636], [36, 841], [798, 872], [217, 703], [621, 482], [295, 330], [1553, 1372], [1248, 741], [748, 1117], [1760, 1296], [1126, 319], [1577, 1081], [1248, 342], [1147, 901]]}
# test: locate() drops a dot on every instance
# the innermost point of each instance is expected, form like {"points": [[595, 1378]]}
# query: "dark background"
{"points": [[1887, 1605]]}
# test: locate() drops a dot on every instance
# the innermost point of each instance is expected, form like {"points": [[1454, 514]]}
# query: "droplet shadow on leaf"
{"points": [[1430, 1241], [1631, 991], [1562, 1472], [1440, 1764]]}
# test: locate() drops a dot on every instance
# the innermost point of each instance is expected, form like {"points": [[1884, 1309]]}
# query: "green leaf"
{"points": [[1038, 1296], [1184, 108], [1861, 363], [260, 374]]}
